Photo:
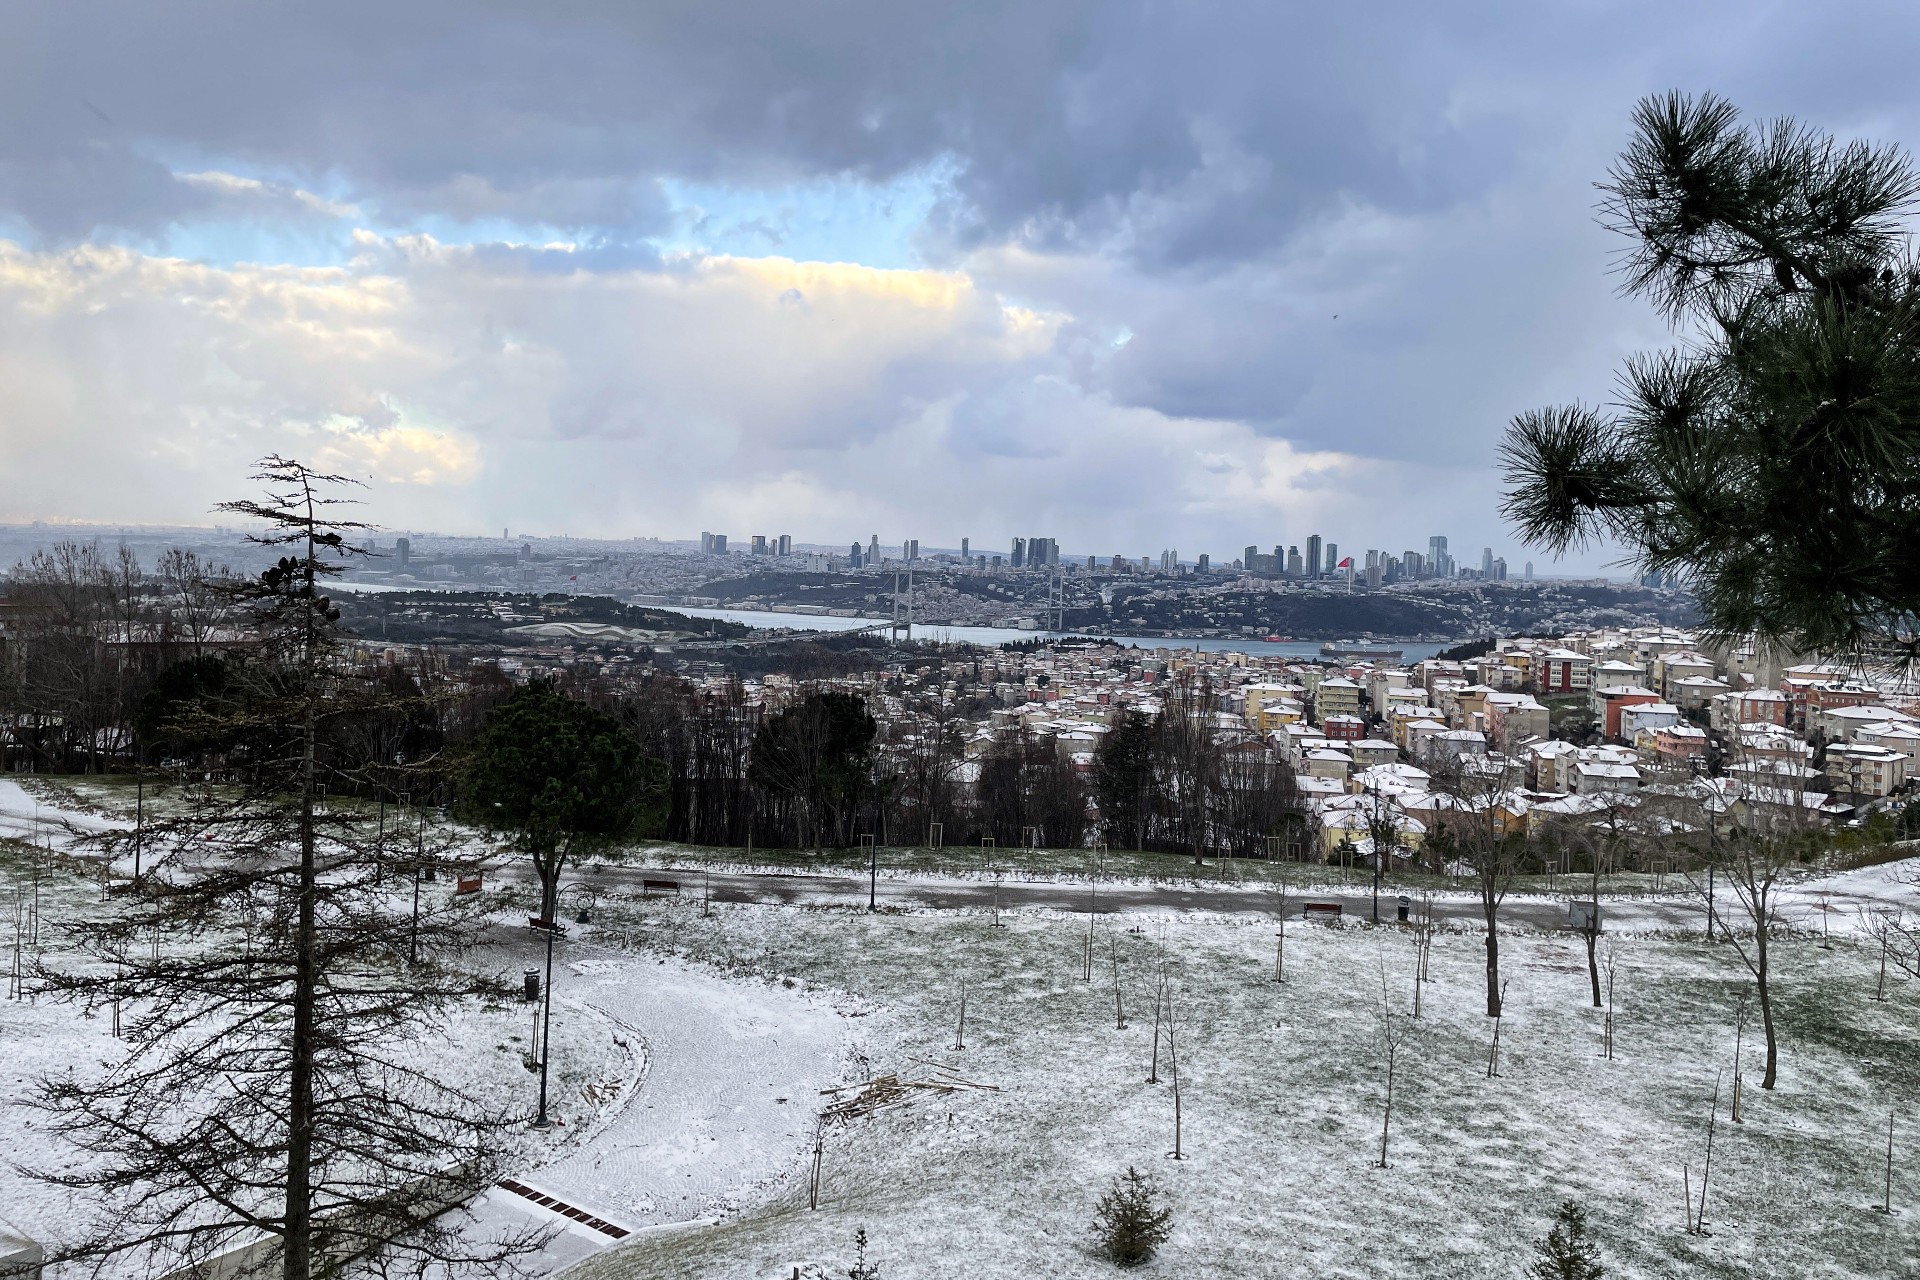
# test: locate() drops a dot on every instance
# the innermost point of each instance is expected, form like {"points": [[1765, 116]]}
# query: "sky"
{"points": [[1133, 275]]}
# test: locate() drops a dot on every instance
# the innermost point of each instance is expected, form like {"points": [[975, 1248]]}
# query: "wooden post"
{"points": [[1159, 1000], [960, 1034], [813, 1188], [1493, 1052], [1886, 1206]]}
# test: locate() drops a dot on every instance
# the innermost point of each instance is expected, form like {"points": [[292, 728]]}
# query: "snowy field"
{"points": [[1281, 1092], [691, 1052]]}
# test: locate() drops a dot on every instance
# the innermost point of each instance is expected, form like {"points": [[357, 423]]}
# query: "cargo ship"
{"points": [[1352, 649]]}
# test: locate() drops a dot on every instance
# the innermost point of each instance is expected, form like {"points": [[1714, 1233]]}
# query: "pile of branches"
{"points": [[885, 1093]]}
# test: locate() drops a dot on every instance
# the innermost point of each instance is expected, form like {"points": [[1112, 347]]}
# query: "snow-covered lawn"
{"points": [[1281, 1090], [682, 1132]]}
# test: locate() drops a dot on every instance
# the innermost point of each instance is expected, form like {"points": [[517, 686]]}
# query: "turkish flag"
{"points": [[1345, 563]]}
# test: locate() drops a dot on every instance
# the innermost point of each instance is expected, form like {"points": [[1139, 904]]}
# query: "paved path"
{"points": [[727, 1104], [1672, 911]]}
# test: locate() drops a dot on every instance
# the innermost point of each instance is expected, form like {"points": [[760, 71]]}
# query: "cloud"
{"points": [[473, 390], [1163, 261]]}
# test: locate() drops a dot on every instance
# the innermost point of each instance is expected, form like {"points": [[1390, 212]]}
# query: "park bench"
{"points": [[536, 925], [1320, 911], [664, 886]]}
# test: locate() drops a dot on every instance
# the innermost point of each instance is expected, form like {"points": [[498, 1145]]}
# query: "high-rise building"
{"points": [[873, 550], [853, 556], [965, 553], [1093, 562], [1017, 554], [912, 550], [719, 544], [1333, 558], [759, 547], [1204, 564], [1253, 556], [1293, 562], [1529, 571], [1439, 563], [1498, 569], [1486, 563], [403, 548], [786, 544], [1411, 566], [1313, 555]]}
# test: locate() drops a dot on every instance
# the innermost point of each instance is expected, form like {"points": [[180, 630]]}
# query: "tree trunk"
{"points": [[1766, 1010], [1593, 961], [296, 1257], [1493, 962]]}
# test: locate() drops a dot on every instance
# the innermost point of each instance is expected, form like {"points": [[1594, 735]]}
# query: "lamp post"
{"points": [[139, 810], [546, 1028]]}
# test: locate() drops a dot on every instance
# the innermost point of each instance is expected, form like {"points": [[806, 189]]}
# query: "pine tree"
{"points": [[1773, 462], [1567, 1253], [1130, 1222], [280, 1107]]}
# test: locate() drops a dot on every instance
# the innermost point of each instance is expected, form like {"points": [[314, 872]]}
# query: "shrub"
{"points": [[1130, 1221], [1567, 1253]]}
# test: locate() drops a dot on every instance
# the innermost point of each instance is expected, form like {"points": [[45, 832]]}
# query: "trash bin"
{"points": [[585, 917], [1406, 908], [531, 978]]}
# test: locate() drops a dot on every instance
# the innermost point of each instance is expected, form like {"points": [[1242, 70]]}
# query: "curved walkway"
{"points": [[729, 1097]]}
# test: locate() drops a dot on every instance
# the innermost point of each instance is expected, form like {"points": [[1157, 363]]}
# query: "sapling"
{"points": [[1567, 1253], [1393, 1034], [1173, 1064], [1131, 1221], [960, 1032]]}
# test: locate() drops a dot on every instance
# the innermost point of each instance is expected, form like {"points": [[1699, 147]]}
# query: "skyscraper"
{"points": [[1486, 563], [1293, 561], [759, 546], [1529, 571], [853, 556], [873, 550], [1332, 561], [911, 551], [403, 548], [786, 544], [1017, 554], [965, 553], [1313, 555], [1439, 563], [1204, 564]]}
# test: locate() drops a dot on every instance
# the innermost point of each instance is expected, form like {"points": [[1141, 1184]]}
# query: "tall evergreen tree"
{"points": [[1773, 461], [278, 1106]]}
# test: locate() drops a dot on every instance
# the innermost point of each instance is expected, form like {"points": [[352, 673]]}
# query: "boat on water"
{"points": [[1355, 649]]}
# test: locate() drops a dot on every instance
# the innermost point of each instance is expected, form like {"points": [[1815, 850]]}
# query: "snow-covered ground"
{"points": [[733, 1072], [682, 1133], [1281, 1092], [681, 1094]]}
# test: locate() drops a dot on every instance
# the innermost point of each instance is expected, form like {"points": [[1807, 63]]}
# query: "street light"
{"points": [[546, 1028]]}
